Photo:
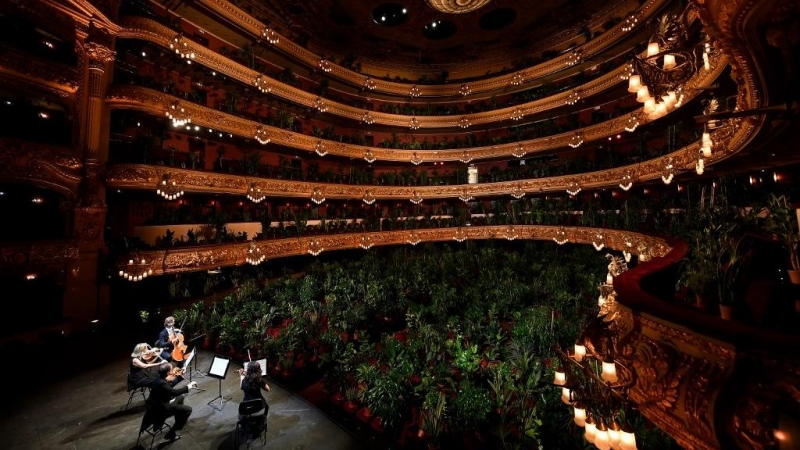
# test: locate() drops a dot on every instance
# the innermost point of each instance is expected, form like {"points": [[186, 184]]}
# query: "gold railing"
{"points": [[593, 47], [207, 257]]}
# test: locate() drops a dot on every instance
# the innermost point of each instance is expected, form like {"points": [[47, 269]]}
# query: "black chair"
{"points": [[154, 423], [133, 391], [249, 425]]}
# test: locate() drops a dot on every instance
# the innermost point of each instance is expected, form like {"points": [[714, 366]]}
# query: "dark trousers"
{"points": [[180, 411]]}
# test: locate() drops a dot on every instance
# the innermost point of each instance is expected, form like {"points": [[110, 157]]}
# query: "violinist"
{"points": [[143, 358], [166, 337], [161, 399], [252, 382]]}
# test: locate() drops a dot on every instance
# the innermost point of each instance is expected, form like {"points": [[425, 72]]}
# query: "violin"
{"points": [[174, 373], [151, 355]]}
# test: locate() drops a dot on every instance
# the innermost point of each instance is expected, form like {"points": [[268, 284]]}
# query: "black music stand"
{"points": [[194, 371], [219, 370]]}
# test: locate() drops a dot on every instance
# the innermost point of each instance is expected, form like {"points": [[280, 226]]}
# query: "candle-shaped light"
{"points": [[669, 61], [652, 49], [650, 105], [560, 378], [627, 438], [565, 395], [609, 278], [580, 414], [642, 94], [609, 370], [634, 83], [591, 429], [601, 436], [121, 273], [601, 300], [673, 98], [130, 262], [613, 434], [580, 352]]}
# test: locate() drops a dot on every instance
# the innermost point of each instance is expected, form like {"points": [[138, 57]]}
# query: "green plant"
{"points": [[434, 413], [730, 264], [782, 221], [472, 406], [385, 398]]}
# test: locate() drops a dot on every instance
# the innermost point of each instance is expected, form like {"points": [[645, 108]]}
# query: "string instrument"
{"points": [[243, 370], [174, 373], [179, 350], [151, 355]]}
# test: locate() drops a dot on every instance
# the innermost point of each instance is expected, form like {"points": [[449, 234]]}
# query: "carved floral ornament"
{"points": [[258, 29], [158, 34], [144, 99], [188, 259]]}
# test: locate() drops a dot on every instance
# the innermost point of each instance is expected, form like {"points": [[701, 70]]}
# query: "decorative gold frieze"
{"points": [[48, 166], [256, 28], [37, 253], [147, 29], [188, 259]]}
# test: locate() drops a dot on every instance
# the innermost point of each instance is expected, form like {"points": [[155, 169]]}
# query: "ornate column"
{"points": [[85, 298]]}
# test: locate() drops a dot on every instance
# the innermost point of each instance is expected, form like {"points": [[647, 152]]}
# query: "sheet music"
{"points": [[262, 362], [188, 360], [219, 367]]}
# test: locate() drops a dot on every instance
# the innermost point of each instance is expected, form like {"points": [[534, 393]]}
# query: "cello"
{"points": [[179, 348]]}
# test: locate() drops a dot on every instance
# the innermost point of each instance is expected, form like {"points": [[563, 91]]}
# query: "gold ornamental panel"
{"points": [[157, 103], [207, 257], [147, 29], [48, 166], [37, 253], [256, 28]]}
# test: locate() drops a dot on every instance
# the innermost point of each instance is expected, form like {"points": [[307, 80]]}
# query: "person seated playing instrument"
{"points": [[252, 382], [142, 359], [166, 338], [160, 400]]}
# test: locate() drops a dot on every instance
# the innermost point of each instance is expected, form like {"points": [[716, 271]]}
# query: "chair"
{"points": [[154, 423], [133, 391], [249, 425]]}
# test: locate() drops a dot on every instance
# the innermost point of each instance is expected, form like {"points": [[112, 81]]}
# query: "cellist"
{"points": [[166, 337]]}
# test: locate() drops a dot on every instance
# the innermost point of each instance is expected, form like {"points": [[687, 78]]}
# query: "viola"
{"points": [[174, 373], [179, 348], [151, 355]]}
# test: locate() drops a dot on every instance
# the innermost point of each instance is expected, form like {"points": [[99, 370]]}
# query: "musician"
{"points": [[143, 358], [160, 395], [165, 338], [252, 382]]}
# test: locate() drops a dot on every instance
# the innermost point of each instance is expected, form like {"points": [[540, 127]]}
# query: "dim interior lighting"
{"points": [[369, 157], [565, 395], [599, 242], [560, 377], [30, 276], [255, 195], [416, 198], [317, 195], [560, 237], [579, 416], [44, 115], [37, 200], [368, 198], [136, 270], [315, 247], [262, 135], [413, 238], [254, 255], [319, 148], [169, 189]]}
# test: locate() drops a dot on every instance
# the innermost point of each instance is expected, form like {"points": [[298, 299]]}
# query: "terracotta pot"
{"points": [[726, 311], [794, 276], [701, 302]]}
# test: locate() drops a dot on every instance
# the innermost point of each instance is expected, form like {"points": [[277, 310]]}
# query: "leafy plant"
{"points": [[782, 221]]}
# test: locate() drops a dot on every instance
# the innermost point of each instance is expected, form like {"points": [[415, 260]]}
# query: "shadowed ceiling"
{"points": [[342, 28]]}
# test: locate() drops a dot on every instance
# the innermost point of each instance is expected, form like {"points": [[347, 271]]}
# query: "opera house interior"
{"points": [[478, 224]]}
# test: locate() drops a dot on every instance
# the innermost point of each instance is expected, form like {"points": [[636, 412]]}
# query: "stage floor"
{"points": [[84, 410]]}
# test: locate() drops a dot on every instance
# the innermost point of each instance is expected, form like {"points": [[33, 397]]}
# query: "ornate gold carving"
{"points": [[247, 22], [34, 70], [89, 223], [99, 53], [156, 102], [158, 34], [44, 165], [188, 259], [37, 253]]}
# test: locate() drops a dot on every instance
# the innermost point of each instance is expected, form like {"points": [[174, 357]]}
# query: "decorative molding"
{"points": [[206, 257], [47, 166], [99, 53], [32, 253], [256, 28], [52, 76], [156, 103], [150, 30], [456, 6]]}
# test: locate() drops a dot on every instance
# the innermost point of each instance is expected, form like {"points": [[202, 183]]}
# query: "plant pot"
{"points": [[701, 302], [794, 276], [726, 311]]}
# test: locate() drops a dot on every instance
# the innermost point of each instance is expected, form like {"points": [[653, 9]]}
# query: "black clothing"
{"points": [[160, 395], [165, 343], [252, 391], [140, 377]]}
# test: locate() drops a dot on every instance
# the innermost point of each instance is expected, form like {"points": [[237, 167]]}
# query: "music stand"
{"points": [[193, 371], [219, 370]]}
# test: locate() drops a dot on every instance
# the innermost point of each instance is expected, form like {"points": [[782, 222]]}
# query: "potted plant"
{"points": [[730, 280], [434, 410], [701, 281], [782, 221]]}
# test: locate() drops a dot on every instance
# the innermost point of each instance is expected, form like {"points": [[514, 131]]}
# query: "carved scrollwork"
{"points": [[37, 253], [47, 166]]}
